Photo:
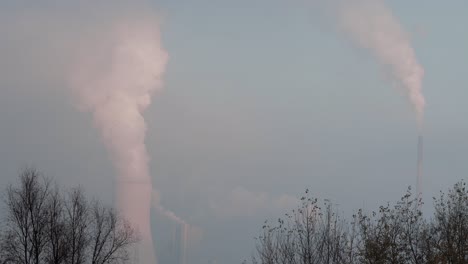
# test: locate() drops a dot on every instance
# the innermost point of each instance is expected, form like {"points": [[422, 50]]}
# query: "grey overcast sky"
{"points": [[261, 100]]}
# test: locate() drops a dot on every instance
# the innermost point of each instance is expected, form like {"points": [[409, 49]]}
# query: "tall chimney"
{"points": [[420, 169]]}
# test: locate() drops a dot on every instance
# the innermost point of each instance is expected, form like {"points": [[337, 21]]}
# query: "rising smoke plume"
{"points": [[114, 78], [371, 25], [109, 52], [161, 209]]}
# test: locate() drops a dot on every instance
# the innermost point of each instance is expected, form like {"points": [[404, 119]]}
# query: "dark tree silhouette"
{"points": [[314, 233], [42, 225], [449, 231]]}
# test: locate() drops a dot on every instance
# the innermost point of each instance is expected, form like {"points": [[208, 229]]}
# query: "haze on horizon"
{"points": [[261, 100]]}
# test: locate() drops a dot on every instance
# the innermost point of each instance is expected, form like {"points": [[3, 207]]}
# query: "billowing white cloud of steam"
{"points": [[191, 235], [371, 25], [114, 77], [110, 53]]}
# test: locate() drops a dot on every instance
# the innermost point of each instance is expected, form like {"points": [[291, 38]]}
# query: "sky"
{"points": [[261, 100]]}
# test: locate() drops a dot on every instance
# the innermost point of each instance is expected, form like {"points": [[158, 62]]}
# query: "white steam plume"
{"points": [[115, 77], [167, 213], [186, 229], [373, 26]]}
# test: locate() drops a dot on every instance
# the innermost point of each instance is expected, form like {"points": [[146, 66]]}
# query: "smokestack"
{"points": [[419, 169]]}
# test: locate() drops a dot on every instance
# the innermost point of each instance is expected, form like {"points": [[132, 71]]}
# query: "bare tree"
{"points": [[394, 234], [57, 248], [411, 228], [450, 227], [111, 236], [44, 226], [315, 233], [25, 237], [77, 221], [307, 235]]}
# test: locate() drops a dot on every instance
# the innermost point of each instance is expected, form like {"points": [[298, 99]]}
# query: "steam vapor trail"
{"points": [[167, 213], [371, 25], [115, 77], [179, 223]]}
